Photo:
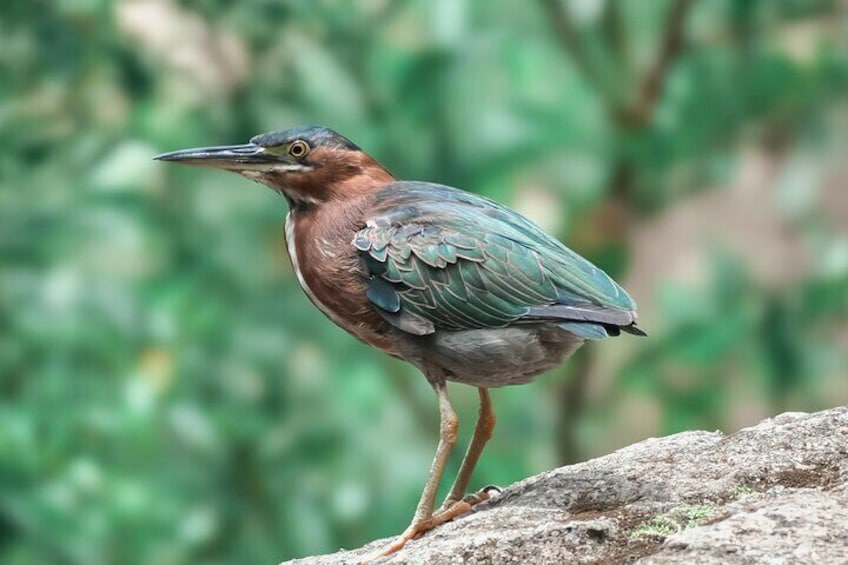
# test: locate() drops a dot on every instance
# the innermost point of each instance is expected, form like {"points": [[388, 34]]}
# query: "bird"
{"points": [[460, 286]]}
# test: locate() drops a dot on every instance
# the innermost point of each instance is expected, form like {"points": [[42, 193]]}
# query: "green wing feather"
{"points": [[455, 261]]}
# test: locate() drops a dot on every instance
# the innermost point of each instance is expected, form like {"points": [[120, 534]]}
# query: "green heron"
{"points": [[460, 286]]}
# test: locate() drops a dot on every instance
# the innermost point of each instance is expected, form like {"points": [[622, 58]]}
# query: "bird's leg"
{"points": [[456, 502], [423, 521]]}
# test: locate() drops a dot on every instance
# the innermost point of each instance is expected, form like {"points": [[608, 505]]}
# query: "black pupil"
{"points": [[298, 150]]}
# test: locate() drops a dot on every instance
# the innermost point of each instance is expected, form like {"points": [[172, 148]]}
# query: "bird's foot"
{"points": [[416, 529], [449, 510], [459, 507]]}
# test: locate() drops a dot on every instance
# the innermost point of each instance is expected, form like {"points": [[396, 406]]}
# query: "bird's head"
{"points": [[309, 165]]}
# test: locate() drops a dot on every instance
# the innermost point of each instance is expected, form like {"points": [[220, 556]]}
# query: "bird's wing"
{"points": [[441, 258]]}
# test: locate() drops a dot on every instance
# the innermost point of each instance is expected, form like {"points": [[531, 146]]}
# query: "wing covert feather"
{"points": [[452, 260]]}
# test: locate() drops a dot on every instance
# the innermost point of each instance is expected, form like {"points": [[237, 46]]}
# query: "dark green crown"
{"points": [[315, 136]]}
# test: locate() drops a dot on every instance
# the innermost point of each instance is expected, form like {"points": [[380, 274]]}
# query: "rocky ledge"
{"points": [[776, 492]]}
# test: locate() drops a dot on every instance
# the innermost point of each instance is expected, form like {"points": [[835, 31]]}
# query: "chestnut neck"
{"points": [[337, 176]]}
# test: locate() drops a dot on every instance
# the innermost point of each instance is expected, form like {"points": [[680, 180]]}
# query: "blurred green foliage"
{"points": [[167, 395]]}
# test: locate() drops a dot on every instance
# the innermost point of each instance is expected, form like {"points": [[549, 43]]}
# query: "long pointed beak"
{"points": [[224, 157]]}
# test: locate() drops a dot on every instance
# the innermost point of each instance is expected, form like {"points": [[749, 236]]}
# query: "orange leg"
{"points": [[482, 434], [423, 520]]}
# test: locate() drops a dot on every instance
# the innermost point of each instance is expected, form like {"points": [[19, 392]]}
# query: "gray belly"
{"points": [[499, 356]]}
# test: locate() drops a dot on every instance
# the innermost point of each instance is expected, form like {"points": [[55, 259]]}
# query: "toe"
{"points": [[485, 493], [416, 529]]}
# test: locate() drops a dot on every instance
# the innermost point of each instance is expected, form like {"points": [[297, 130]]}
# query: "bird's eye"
{"points": [[298, 149]]}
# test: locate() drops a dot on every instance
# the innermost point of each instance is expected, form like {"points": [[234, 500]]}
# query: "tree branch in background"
{"points": [[615, 34], [567, 35], [641, 109], [614, 215], [571, 399]]}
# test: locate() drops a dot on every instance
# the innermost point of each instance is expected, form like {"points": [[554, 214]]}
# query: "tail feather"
{"points": [[586, 331], [582, 313], [600, 331], [633, 329]]}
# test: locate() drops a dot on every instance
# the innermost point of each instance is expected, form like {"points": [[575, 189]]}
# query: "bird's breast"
{"points": [[292, 247], [329, 271]]}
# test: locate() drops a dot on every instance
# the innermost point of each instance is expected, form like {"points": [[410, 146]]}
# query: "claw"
{"points": [[470, 500], [415, 530], [485, 493]]}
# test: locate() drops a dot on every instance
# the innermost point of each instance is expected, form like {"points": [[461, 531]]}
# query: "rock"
{"points": [[773, 493]]}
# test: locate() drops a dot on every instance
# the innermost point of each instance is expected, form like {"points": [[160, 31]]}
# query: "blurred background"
{"points": [[169, 396]]}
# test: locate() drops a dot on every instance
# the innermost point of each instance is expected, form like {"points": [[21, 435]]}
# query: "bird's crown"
{"points": [[315, 136]]}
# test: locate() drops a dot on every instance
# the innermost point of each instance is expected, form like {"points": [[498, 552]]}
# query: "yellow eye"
{"points": [[298, 149]]}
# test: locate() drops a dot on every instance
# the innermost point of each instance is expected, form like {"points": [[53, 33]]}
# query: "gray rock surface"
{"points": [[773, 493]]}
